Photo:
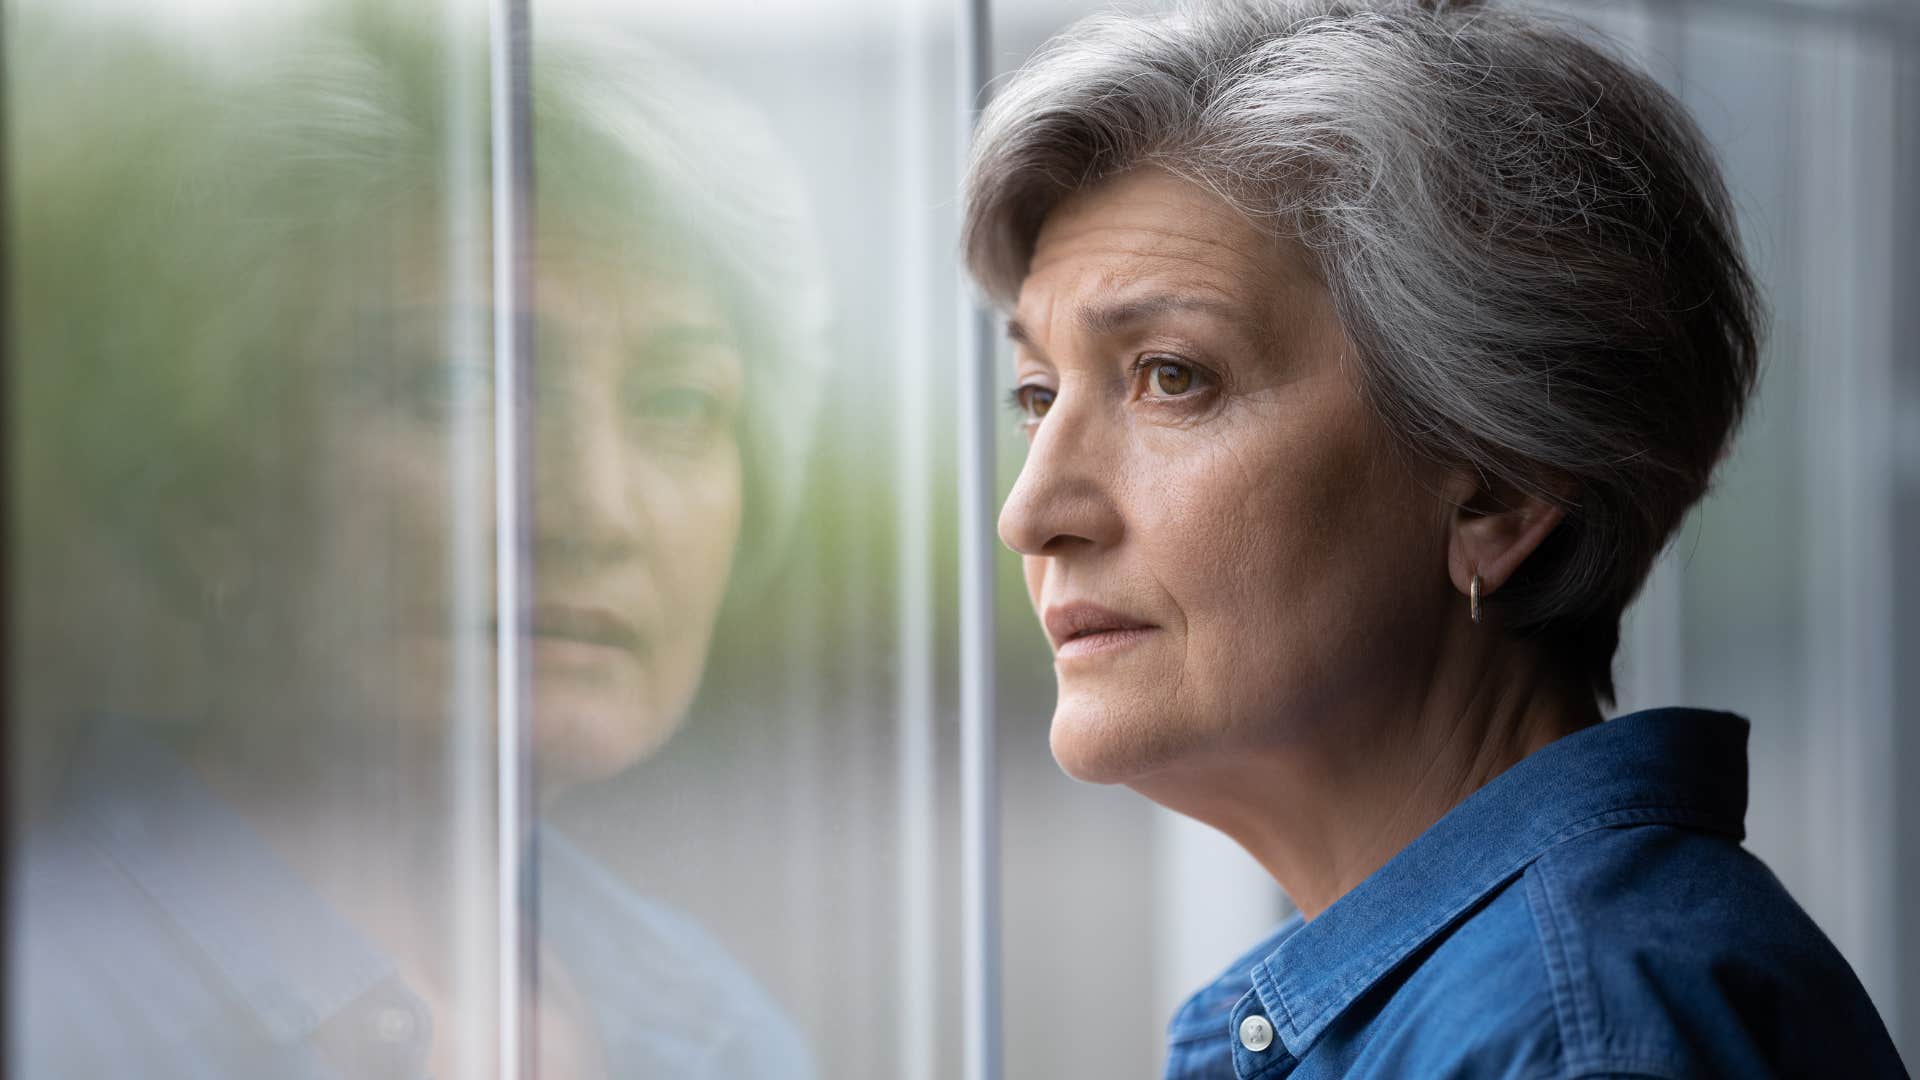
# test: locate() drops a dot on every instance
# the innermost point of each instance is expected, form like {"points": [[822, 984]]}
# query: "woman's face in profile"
{"points": [[636, 504], [1220, 544]]}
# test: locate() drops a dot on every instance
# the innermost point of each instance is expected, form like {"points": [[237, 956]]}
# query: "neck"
{"points": [[1323, 810]]}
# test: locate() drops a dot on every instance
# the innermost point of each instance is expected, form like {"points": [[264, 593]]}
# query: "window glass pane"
{"points": [[253, 438], [759, 882], [250, 439]]}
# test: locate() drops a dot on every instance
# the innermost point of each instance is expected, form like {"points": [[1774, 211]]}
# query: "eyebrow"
{"points": [[1106, 320]]}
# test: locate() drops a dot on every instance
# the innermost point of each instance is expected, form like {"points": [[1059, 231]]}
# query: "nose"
{"points": [[1064, 497], [589, 504]]}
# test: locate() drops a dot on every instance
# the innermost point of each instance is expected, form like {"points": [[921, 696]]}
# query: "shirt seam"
{"points": [[1553, 958], [1264, 974], [1589, 1057]]}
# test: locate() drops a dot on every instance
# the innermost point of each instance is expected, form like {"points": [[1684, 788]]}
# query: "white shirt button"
{"points": [[1256, 1033], [393, 1025]]}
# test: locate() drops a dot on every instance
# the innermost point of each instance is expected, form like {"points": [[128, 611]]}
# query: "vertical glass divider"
{"points": [[918, 954], [979, 786], [469, 448], [512, 161], [8, 731]]}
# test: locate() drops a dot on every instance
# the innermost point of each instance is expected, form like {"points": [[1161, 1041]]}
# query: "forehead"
{"points": [[590, 291], [1149, 230]]}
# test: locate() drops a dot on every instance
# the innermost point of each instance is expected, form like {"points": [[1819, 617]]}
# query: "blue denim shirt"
{"points": [[1588, 913]]}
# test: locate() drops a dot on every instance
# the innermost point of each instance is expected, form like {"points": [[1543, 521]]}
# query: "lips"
{"points": [[1067, 623], [585, 624]]}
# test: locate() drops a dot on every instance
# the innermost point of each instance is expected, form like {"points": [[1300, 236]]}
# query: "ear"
{"points": [[1494, 529]]}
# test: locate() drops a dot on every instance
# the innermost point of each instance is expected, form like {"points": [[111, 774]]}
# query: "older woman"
{"points": [[1369, 353]]}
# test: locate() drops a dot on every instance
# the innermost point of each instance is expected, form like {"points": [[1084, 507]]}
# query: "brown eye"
{"points": [[1170, 379], [1034, 400]]}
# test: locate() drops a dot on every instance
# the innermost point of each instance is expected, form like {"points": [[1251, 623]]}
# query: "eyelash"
{"points": [[1017, 398], [1144, 366]]}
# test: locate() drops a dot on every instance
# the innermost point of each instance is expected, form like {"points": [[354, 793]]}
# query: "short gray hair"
{"points": [[1526, 239]]}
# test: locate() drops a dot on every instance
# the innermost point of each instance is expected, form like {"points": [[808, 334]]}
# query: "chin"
{"points": [[1100, 744], [578, 742]]}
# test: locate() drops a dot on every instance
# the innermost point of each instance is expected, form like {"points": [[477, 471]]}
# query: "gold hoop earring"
{"points": [[1473, 596]]}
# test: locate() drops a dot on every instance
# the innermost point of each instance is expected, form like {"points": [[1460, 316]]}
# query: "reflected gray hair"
{"points": [[197, 204], [1526, 239]]}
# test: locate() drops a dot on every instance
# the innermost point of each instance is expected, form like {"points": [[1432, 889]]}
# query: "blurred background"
{"points": [[254, 516]]}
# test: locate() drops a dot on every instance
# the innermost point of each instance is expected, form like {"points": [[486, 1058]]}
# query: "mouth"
{"points": [[576, 624], [1084, 629]]}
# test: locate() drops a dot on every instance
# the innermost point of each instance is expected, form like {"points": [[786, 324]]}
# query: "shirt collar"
{"points": [[282, 952], [1662, 766]]}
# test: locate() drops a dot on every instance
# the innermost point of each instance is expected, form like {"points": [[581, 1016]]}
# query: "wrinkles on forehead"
{"points": [[1148, 245]]}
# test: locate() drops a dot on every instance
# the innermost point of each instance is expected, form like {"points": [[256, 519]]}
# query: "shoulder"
{"points": [[1649, 951], [1671, 952], [669, 998]]}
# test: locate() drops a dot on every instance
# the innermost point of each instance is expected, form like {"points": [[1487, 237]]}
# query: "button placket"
{"points": [[386, 1034], [1253, 1038]]}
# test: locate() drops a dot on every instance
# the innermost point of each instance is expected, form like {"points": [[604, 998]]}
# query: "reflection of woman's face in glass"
{"points": [[636, 503], [636, 495]]}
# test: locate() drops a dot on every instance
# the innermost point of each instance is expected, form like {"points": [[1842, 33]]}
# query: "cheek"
{"points": [[382, 514], [1279, 547], [1224, 529], [352, 606], [696, 510]]}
